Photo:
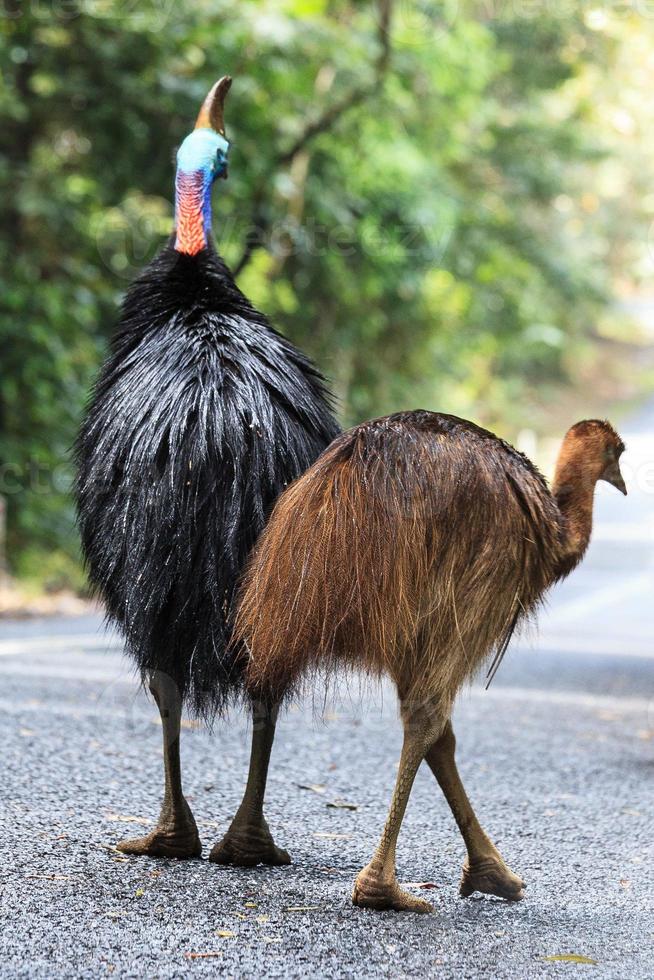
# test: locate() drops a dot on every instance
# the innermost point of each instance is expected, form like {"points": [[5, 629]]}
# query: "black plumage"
{"points": [[201, 415]]}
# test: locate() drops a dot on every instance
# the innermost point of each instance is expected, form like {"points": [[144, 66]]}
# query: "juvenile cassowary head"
{"points": [[600, 447], [200, 159]]}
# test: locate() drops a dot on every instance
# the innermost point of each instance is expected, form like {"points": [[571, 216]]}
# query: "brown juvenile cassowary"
{"points": [[413, 547]]}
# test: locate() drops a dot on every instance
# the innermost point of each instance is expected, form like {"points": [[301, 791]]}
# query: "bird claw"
{"points": [[492, 877], [371, 891], [164, 843], [248, 847]]}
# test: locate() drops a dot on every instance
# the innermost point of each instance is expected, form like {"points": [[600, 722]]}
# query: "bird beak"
{"points": [[212, 112], [613, 476]]}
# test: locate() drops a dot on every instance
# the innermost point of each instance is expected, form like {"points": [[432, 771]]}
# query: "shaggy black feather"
{"points": [[201, 415]]}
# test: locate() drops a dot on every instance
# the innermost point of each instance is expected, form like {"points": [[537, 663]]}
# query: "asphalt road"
{"points": [[558, 758]]}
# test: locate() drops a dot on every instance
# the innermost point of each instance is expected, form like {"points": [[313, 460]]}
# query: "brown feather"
{"points": [[413, 547]]}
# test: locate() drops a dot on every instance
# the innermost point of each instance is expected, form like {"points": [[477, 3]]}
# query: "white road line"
{"points": [[547, 641], [104, 708], [601, 598], [47, 644], [553, 641], [578, 698]]}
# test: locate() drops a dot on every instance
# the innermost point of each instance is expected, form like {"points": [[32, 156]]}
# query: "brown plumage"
{"points": [[413, 547]]}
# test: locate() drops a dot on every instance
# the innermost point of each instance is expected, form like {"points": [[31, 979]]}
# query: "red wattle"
{"points": [[191, 237]]}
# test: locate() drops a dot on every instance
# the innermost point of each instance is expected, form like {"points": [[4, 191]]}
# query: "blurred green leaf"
{"points": [[450, 241]]}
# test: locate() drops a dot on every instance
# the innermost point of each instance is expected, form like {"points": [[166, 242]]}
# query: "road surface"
{"points": [[558, 757]]}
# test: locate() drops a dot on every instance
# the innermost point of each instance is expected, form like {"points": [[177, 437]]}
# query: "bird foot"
{"points": [[170, 839], [163, 844], [492, 877], [372, 891], [246, 846]]}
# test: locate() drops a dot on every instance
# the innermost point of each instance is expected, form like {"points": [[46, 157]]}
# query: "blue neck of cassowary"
{"points": [[201, 158]]}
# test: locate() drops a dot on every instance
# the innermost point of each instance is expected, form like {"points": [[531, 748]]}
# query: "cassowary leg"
{"points": [[484, 870], [176, 834], [376, 886], [248, 841]]}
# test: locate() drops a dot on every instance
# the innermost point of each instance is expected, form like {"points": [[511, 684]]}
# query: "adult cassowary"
{"points": [[200, 417]]}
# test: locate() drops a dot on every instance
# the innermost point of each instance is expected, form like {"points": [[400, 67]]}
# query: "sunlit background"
{"points": [[450, 205]]}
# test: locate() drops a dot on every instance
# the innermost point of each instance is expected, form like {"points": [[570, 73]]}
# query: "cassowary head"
{"points": [[200, 159], [205, 149], [595, 446]]}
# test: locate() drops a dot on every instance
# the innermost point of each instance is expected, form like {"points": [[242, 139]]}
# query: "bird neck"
{"points": [[574, 489], [192, 210]]}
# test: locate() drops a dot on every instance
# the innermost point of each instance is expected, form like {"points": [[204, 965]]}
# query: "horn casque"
{"points": [[211, 114]]}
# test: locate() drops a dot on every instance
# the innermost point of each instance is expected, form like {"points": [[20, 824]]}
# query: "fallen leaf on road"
{"points": [[329, 836], [250, 905], [45, 877], [313, 787], [226, 934], [140, 892], [106, 847], [272, 939], [419, 884], [302, 908], [126, 818], [262, 918], [239, 915], [342, 805], [26, 732], [625, 883], [202, 956], [569, 958]]}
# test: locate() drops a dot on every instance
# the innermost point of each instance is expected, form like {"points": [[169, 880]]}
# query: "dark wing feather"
{"points": [[199, 419]]}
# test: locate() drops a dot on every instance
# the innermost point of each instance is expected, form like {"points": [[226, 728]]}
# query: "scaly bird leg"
{"points": [[248, 840], [484, 870], [376, 886], [176, 834]]}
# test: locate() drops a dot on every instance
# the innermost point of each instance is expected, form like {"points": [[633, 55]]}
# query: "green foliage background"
{"points": [[433, 198]]}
